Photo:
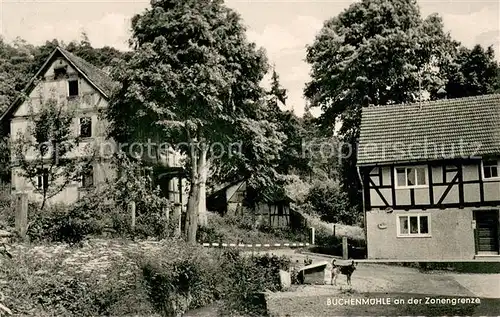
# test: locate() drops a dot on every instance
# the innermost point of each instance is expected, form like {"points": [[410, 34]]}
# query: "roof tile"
{"points": [[432, 130]]}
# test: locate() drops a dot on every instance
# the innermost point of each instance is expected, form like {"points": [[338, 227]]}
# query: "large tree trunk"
{"points": [[202, 201], [197, 192], [192, 212]]}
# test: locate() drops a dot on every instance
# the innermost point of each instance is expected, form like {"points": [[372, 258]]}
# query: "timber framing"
{"points": [[447, 186]]}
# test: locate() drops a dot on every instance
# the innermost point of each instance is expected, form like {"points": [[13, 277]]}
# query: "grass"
{"points": [[57, 280], [351, 232], [238, 230], [116, 277]]}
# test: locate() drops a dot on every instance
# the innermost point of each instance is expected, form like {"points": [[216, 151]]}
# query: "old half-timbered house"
{"points": [[236, 199], [75, 83], [431, 179]]}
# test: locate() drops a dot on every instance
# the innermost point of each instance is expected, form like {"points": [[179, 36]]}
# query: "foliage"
{"points": [[41, 286], [330, 203], [108, 204], [61, 223], [19, 61], [472, 72], [186, 282], [194, 278], [193, 81], [7, 213], [297, 189], [134, 184], [43, 153], [290, 157], [376, 51], [249, 278], [243, 229]]}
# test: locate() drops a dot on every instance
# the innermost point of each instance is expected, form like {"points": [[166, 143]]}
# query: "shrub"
{"points": [[58, 224], [108, 204], [185, 280], [331, 204], [208, 234], [192, 277], [7, 214], [248, 278], [43, 286]]}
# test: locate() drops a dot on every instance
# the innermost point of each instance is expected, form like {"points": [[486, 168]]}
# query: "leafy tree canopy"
{"points": [[193, 78], [384, 52]]}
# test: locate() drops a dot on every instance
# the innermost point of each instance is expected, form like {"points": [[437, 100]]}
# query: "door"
{"points": [[486, 231]]}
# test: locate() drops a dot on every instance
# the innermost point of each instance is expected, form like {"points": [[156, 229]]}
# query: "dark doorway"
{"points": [[486, 231]]}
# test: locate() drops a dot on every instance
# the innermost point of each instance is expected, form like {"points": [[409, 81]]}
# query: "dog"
{"points": [[347, 270]]}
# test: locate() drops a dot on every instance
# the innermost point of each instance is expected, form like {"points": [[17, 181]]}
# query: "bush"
{"points": [[331, 204], [236, 229], [332, 245], [108, 204], [248, 278], [7, 214], [185, 280], [58, 224], [193, 277], [40, 286]]}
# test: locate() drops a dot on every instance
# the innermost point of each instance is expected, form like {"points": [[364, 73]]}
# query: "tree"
{"points": [[15, 62], [44, 153], [472, 72], [290, 158], [277, 92], [193, 81], [19, 61], [381, 49]]}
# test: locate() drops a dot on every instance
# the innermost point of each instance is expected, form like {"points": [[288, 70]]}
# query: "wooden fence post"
{"points": [[178, 219], [345, 250], [167, 219], [312, 236], [132, 215], [21, 219]]}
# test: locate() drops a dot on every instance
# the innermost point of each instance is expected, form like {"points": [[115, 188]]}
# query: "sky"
{"points": [[283, 28]]}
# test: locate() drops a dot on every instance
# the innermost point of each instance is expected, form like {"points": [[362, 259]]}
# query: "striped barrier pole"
{"points": [[257, 245]]}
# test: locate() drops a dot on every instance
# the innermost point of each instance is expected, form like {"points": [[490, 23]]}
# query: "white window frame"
{"points": [[490, 178], [426, 175], [413, 235]]}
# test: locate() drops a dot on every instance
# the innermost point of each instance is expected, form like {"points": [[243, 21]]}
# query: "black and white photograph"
{"points": [[276, 158]]}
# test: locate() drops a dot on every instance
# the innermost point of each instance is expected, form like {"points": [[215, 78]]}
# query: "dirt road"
{"points": [[392, 283]]}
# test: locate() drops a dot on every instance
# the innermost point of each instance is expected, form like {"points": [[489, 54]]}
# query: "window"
{"points": [[490, 169], [73, 88], [42, 178], [280, 210], [86, 127], [60, 72], [413, 226], [411, 176], [88, 177]]}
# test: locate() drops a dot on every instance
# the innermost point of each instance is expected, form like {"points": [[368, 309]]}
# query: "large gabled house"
{"points": [[431, 179], [75, 82]]}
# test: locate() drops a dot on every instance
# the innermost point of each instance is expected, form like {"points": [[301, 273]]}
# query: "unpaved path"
{"points": [[376, 281]]}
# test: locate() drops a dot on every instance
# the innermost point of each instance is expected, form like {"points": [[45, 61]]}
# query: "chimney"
{"points": [[442, 94]]}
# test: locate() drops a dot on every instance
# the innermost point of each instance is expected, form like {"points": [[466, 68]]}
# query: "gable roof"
{"points": [[96, 77], [433, 130], [224, 187]]}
